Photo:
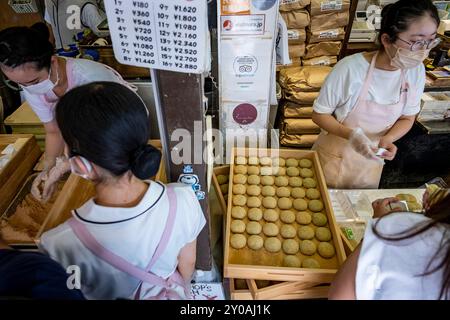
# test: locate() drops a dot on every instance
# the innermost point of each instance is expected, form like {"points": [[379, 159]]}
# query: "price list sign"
{"points": [[159, 34]]}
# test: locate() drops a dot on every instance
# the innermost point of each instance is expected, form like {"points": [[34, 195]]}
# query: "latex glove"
{"points": [[54, 175], [391, 148], [35, 187], [363, 145]]}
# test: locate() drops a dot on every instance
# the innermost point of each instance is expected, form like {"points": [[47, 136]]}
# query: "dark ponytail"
{"points": [[396, 17], [20, 45], [107, 123]]}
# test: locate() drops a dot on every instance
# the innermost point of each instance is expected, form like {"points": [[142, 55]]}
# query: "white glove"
{"points": [[49, 178], [35, 187], [362, 144]]}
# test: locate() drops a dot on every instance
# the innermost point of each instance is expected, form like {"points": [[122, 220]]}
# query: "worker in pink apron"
{"points": [[27, 58], [136, 238], [370, 100]]}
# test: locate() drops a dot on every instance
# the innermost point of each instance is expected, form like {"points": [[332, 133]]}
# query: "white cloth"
{"points": [[134, 239], [83, 71], [343, 85], [389, 270], [58, 12]]}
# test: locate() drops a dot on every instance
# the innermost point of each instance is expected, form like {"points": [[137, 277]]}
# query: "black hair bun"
{"points": [[145, 162], [42, 29]]}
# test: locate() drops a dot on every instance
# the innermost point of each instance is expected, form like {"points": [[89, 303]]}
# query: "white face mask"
{"points": [[42, 87], [407, 59], [74, 167]]}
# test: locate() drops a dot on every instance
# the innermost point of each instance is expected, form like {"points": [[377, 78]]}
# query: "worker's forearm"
{"points": [[54, 147], [329, 123], [400, 128]]}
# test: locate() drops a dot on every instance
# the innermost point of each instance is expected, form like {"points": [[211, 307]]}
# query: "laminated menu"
{"points": [[319, 7], [329, 21], [327, 48]]}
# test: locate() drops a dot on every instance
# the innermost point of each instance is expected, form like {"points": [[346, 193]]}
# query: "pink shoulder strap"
{"points": [[118, 262]]}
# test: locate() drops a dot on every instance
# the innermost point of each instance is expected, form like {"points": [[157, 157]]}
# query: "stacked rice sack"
{"points": [[326, 31], [301, 86]]}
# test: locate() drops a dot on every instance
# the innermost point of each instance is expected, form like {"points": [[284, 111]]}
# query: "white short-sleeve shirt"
{"points": [[392, 270], [342, 87], [131, 233], [83, 71]]}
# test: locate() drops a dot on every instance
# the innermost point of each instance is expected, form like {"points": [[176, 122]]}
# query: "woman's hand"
{"points": [[381, 207], [386, 142]]}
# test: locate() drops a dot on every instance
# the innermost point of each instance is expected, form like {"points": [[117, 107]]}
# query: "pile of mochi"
{"points": [[277, 207]]}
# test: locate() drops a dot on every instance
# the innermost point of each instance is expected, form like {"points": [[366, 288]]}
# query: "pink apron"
{"points": [[146, 275], [343, 167]]}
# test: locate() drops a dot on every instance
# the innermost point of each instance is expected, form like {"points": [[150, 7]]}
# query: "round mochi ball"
{"points": [[319, 219], [253, 202], [241, 160], [284, 203], [238, 212], [240, 169], [298, 193], [290, 246], [323, 234], [280, 162], [281, 171], [305, 233], [253, 190], [295, 182], [292, 172], [238, 241], [255, 242], [255, 214], [268, 191], [283, 192], [291, 262], [240, 179], [307, 247], [291, 162], [269, 202], [315, 205], [253, 170], [254, 161], [253, 227], [305, 163], [239, 189], [326, 250], [309, 183], [310, 263], [253, 179], [313, 194], [272, 245], [306, 173], [239, 200], [265, 171], [300, 204], [303, 218], [270, 215], [267, 181], [224, 188], [287, 231], [287, 216], [237, 226], [281, 181], [265, 161], [270, 229], [222, 179]]}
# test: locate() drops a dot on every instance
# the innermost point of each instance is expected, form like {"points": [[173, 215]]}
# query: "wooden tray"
{"points": [[249, 264], [281, 291], [222, 170], [76, 192], [16, 171]]}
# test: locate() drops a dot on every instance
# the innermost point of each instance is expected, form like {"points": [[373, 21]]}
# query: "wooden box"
{"points": [[222, 170], [251, 290], [25, 121], [249, 264], [16, 171], [77, 191]]}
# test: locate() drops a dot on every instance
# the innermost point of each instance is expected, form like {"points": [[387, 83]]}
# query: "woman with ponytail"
{"points": [[136, 238]]}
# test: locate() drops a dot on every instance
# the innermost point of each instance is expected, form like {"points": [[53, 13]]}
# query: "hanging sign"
{"points": [[159, 34]]}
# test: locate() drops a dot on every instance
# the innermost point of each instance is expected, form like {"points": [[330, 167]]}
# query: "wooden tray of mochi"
{"points": [[305, 190]]}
